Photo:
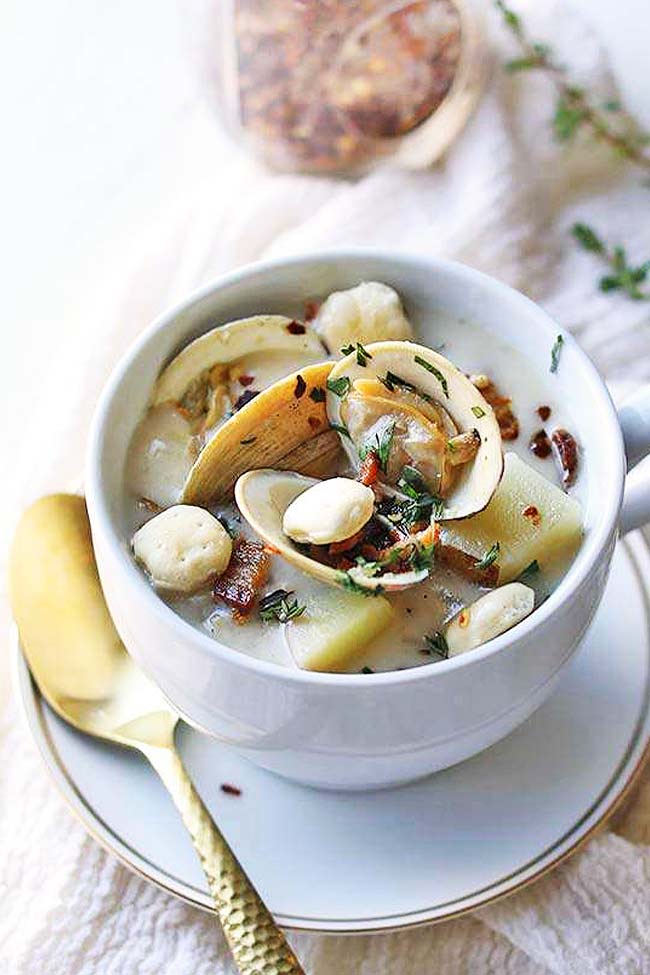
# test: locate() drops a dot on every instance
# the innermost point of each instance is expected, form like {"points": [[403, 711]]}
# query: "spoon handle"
{"points": [[257, 943]]}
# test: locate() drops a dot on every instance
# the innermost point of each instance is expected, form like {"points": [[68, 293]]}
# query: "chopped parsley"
{"points": [[278, 605], [342, 429], [489, 558], [348, 583], [362, 354], [411, 483], [317, 394], [555, 353], [436, 643], [340, 387], [478, 412], [435, 372], [380, 446]]}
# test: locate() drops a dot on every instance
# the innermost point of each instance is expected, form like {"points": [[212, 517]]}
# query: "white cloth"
{"points": [[502, 201]]}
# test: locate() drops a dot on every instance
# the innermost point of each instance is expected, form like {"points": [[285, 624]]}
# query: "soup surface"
{"points": [[538, 540]]}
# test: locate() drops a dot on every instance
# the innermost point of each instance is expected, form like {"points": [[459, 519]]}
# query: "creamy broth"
{"points": [[421, 609]]}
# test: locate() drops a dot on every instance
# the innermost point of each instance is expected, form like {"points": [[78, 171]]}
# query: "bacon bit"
{"points": [[245, 398], [533, 515], [296, 328], [502, 406], [314, 423], [337, 548], [230, 790], [540, 445], [465, 565], [150, 505], [300, 387], [544, 412], [246, 380], [311, 310], [369, 469], [566, 452], [247, 572]]}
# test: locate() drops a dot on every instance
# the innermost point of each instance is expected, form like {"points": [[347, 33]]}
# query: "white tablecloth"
{"points": [[501, 201]]}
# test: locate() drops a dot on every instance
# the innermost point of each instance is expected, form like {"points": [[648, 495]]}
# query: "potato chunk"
{"points": [[335, 628], [528, 516]]}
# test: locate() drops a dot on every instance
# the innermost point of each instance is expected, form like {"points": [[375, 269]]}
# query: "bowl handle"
{"points": [[634, 417]]}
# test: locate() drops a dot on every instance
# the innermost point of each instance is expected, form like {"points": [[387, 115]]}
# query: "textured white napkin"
{"points": [[501, 201]]}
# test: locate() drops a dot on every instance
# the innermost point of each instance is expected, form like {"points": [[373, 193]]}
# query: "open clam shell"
{"points": [[439, 414], [260, 345], [263, 496], [285, 427]]}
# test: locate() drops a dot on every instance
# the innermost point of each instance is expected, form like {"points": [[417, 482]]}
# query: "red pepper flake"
{"points": [[540, 445], [544, 412], [301, 386], [533, 515], [369, 469], [246, 380], [230, 790], [311, 310], [314, 422], [566, 451], [296, 328]]}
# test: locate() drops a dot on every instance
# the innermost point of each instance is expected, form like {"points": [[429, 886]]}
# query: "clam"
{"points": [[284, 427], [263, 497], [421, 417]]}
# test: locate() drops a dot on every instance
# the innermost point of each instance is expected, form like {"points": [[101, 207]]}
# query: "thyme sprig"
{"points": [[436, 642], [623, 276], [279, 605], [575, 109]]}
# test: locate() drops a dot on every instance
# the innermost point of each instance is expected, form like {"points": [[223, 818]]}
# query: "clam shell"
{"points": [[283, 427], [453, 391], [263, 496], [230, 342]]}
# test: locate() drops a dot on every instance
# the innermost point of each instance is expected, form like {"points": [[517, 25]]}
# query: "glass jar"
{"points": [[332, 86]]}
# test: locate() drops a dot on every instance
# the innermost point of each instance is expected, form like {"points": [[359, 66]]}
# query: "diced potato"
{"points": [[335, 627], [528, 516]]}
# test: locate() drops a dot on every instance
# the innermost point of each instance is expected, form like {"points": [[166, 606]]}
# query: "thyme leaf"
{"points": [[556, 352], [279, 606], [490, 556], [380, 446], [436, 642], [624, 276], [362, 354]]}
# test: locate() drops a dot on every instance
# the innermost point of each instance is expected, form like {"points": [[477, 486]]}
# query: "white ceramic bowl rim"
{"points": [[584, 563]]}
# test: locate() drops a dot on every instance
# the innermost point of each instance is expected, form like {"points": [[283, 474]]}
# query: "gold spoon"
{"points": [[87, 677]]}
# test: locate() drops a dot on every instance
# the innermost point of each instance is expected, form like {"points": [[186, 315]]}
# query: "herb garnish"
{"points": [[317, 394], [366, 670], [340, 387], [391, 380], [348, 583], [490, 556], [531, 569], [623, 277], [342, 429], [478, 412], [279, 606], [575, 109], [380, 447], [436, 643], [436, 372], [411, 483], [555, 353], [362, 354]]}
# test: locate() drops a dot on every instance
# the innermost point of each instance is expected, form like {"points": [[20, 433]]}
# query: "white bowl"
{"points": [[364, 731]]}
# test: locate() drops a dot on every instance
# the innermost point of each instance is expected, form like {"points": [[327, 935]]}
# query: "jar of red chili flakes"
{"points": [[330, 86]]}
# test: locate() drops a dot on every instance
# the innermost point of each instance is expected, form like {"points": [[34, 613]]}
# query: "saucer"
{"points": [[375, 861]]}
